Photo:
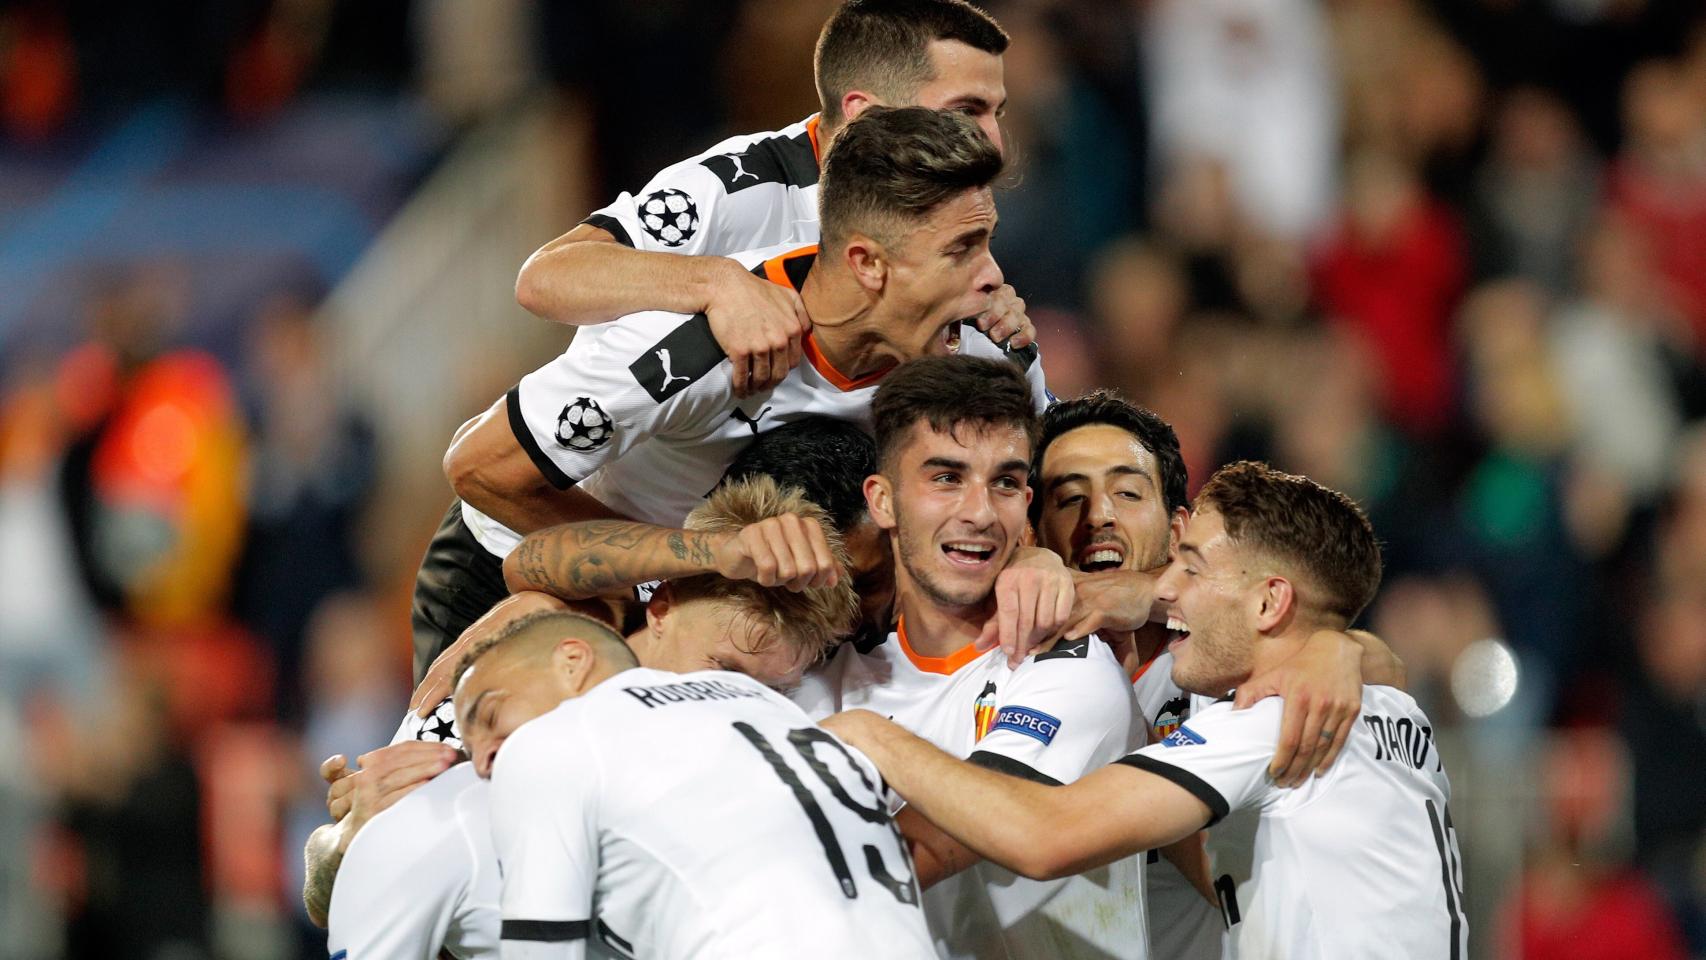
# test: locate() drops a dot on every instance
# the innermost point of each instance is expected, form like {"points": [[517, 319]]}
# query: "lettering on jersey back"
{"points": [[789, 161], [690, 691], [1035, 724], [1400, 740], [678, 360]]}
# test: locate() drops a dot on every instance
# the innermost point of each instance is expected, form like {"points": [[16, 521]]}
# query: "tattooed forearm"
{"points": [[579, 561]]}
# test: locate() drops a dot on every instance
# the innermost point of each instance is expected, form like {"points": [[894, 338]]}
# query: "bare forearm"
{"points": [[321, 857], [960, 799], [587, 281], [578, 561], [1380, 666]]}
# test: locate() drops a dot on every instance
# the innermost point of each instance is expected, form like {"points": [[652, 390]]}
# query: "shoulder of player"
{"points": [[421, 826], [1259, 722], [785, 157]]}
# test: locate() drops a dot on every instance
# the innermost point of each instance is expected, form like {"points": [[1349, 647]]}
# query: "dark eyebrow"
{"points": [[1014, 466], [972, 236], [1123, 470], [945, 463], [474, 708], [1190, 548], [1063, 480]]}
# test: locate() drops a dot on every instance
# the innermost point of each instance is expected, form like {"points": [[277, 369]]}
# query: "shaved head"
{"points": [[534, 636]]}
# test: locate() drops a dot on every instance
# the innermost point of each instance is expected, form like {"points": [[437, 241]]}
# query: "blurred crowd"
{"points": [[1447, 256]]}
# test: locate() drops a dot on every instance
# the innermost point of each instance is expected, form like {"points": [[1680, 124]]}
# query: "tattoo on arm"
{"points": [[593, 558]]}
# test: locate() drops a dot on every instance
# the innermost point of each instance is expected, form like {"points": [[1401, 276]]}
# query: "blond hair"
{"points": [[811, 620]]}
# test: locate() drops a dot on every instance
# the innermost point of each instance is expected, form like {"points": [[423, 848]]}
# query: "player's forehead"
{"points": [[963, 76], [978, 446], [1097, 451], [1205, 534], [971, 211]]}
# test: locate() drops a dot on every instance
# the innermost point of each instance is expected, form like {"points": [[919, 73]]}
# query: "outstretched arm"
{"points": [[1033, 829], [577, 561]]}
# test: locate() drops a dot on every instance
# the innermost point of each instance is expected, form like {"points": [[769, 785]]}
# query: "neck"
{"points": [[1134, 648], [935, 630], [644, 646], [1269, 650], [845, 319]]}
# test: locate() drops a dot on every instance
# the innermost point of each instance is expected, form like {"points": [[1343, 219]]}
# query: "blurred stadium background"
{"points": [[256, 263]]}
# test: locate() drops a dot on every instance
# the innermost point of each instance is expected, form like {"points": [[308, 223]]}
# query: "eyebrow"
{"points": [[474, 708], [1190, 548], [1123, 470], [945, 463]]}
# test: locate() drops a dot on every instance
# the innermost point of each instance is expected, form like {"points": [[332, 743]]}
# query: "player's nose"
{"points": [[989, 278]]}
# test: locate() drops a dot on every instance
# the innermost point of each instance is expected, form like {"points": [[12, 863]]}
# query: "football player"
{"points": [[1359, 861]]}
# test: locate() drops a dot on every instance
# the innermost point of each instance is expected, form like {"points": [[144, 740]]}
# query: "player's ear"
{"points": [[854, 102], [573, 660], [879, 497], [868, 262], [1176, 529], [1276, 602], [657, 608]]}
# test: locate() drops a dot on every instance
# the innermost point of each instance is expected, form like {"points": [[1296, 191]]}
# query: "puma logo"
{"points": [[668, 375], [739, 160], [752, 422]]}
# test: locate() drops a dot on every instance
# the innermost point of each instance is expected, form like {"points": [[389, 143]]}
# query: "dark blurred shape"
{"points": [[312, 470]]}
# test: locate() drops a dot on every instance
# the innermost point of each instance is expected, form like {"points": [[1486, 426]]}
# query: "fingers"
{"points": [[1312, 742], [434, 688], [781, 562], [1341, 734], [334, 768], [1291, 735], [760, 375], [1005, 321], [989, 638]]}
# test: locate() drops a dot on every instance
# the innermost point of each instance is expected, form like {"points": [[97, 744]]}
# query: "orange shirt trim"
{"points": [[811, 131], [943, 665]]}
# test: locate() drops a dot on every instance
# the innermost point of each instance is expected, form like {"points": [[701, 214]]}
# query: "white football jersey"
{"points": [[420, 877], [1362, 862], [700, 815], [746, 192], [1182, 925], [641, 412], [1060, 715]]}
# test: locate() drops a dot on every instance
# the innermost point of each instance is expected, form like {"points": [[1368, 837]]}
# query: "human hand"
{"points": [[387, 775], [435, 686], [1111, 600], [786, 550], [1322, 687], [759, 325], [1005, 321], [1033, 599]]}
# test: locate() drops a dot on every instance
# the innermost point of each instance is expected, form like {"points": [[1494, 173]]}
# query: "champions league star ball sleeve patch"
{"points": [[583, 426], [669, 216], [1035, 724]]}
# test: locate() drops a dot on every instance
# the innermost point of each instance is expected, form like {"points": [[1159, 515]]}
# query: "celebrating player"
{"points": [[758, 190], [1361, 861], [674, 815], [692, 623], [1110, 499], [638, 418], [954, 439]]}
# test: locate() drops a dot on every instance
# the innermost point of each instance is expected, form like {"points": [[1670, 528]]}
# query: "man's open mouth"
{"points": [[969, 553], [1178, 632], [1100, 556], [951, 336]]}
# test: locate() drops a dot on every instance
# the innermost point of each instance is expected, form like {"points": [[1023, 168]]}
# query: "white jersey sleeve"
{"points": [[749, 191], [1063, 714], [976, 343], [619, 383], [1220, 756], [544, 826], [407, 878]]}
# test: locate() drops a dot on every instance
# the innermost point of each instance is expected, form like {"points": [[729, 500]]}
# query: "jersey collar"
{"points": [[811, 131], [790, 270], [946, 666]]}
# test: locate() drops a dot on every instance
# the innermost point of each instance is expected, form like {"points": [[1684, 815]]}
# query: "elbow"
{"points": [[461, 470], [529, 290], [1041, 861], [514, 582]]}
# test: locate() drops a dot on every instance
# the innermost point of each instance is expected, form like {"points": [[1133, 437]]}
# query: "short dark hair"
{"points": [[946, 392], [559, 623], [883, 46], [1299, 522], [893, 165], [1108, 407], [827, 459]]}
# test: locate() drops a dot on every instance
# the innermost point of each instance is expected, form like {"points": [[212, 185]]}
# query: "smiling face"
{"points": [[1102, 507], [940, 273], [955, 505], [1212, 597]]}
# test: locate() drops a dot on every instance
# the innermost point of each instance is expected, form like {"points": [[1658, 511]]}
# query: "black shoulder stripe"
{"points": [[1218, 808], [789, 161], [1013, 768], [678, 360], [544, 931], [524, 436], [1068, 650], [612, 226], [797, 267]]}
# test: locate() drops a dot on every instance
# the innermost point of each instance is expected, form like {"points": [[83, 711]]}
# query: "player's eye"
{"points": [[1007, 483], [1131, 495], [1072, 500], [945, 478]]}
